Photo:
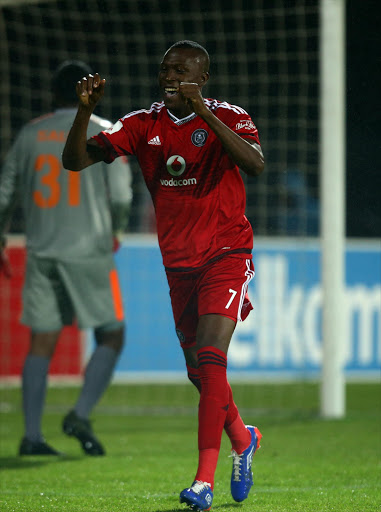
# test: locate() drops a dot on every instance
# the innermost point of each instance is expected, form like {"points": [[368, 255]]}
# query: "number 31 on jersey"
{"points": [[50, 179]]}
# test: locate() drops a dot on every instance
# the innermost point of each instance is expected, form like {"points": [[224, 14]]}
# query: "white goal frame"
{"points": [[332, 172]]}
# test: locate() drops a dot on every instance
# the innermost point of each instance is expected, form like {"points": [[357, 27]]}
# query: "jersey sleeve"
{"points": [[240, 122], [119, 140]]}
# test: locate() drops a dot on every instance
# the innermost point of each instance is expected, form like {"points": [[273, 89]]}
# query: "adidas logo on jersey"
{"points": [[155, 141]]}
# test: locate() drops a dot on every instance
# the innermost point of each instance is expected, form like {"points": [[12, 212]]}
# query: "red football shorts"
{"points": [[219, 288]]}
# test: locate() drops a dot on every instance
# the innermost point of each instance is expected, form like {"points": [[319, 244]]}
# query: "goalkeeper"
{"points": [[70, 271], [190, 150]]}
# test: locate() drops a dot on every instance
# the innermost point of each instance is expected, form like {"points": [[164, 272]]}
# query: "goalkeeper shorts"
{"points": [[57, 292]]}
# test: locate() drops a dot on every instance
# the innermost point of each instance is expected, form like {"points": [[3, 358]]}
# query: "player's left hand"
{"points": [[192, 93], [90, 90]]}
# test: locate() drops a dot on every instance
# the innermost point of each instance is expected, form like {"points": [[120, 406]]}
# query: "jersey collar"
{"points": [[183, 120]]}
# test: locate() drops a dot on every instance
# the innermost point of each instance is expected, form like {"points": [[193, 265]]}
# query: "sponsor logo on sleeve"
{"points": [[245, 124]]}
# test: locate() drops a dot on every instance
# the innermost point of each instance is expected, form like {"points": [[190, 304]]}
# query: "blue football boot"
{"points": [[198, 497], [242, 476]]}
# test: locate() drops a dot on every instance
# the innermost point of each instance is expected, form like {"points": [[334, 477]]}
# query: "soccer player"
{"points": [[70, 271], [190, 150]]}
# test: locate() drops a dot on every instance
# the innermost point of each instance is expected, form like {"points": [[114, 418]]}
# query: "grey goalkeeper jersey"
{"points": [[67, 214]]}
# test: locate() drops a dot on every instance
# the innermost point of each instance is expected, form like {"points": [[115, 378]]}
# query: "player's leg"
{"points": [[42, 315], [34, 384], [213, 338], [99, 370], [223, 289], [95, 293], [98, 373], [246, 438], [183, 293], [234, 425]]}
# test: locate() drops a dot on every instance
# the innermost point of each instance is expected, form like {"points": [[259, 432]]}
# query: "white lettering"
{"points": [[311, 325], [285, 329], [178, 183], [246, 124], [364, 316]]}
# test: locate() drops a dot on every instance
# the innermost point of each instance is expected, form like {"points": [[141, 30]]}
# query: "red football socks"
{"points": [[213, 407], [234, 426]]}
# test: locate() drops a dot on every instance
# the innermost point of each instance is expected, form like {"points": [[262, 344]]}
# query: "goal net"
{"points": [[264, 58]]}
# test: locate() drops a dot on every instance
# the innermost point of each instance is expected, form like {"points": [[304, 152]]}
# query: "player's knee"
{"points": [[190, 355], [194, 377], [43, 343], [111, 335]]}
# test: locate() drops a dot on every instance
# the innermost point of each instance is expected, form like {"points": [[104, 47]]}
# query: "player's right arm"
{"points": [[79, 152]]}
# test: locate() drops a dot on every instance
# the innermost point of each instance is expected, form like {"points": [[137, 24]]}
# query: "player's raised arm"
{"points": [[79, 152], [248, 157]]}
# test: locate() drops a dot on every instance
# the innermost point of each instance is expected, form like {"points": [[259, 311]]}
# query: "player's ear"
{"points": [[204, 78]]}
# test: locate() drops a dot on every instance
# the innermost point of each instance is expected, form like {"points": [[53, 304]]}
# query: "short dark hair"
{"points": [[65, 77], [192, 45]]}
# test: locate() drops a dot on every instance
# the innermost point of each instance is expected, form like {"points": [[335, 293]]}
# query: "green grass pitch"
{"points": [[305, 464]]}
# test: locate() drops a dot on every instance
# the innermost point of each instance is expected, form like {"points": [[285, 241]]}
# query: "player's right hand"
{"points": [[90, 89], [5, 266]]}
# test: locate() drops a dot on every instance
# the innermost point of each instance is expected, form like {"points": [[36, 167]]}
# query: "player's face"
{"points": [[180, 65]]}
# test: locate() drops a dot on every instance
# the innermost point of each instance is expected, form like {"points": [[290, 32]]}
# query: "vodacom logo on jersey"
{"points": [[176, 166]]}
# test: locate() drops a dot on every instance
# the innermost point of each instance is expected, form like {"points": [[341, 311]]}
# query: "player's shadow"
{"points": [[228, 505], [33, 461], [215, 507]]}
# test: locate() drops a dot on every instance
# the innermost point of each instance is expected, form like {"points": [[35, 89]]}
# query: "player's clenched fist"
{"points": [[191, 91], [90, 89]]}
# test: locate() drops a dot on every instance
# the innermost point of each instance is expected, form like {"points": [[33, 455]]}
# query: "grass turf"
{"points": [[305, 464]]}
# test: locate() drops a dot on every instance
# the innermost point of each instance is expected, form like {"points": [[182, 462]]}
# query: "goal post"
{"points": [[332, 172]]}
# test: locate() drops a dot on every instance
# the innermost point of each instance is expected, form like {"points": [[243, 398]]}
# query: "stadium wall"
{"points": [[282, 337]]}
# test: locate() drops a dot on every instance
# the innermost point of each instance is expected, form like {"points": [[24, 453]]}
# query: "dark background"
{"points": [[132, 85], [363, 119]]}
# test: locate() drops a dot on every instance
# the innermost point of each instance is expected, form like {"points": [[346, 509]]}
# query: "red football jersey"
{"points": [[197, 190]]}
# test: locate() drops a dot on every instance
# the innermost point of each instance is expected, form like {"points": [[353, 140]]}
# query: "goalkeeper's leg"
{"points": [[99, 370], [98, 374], [34, 384]]}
